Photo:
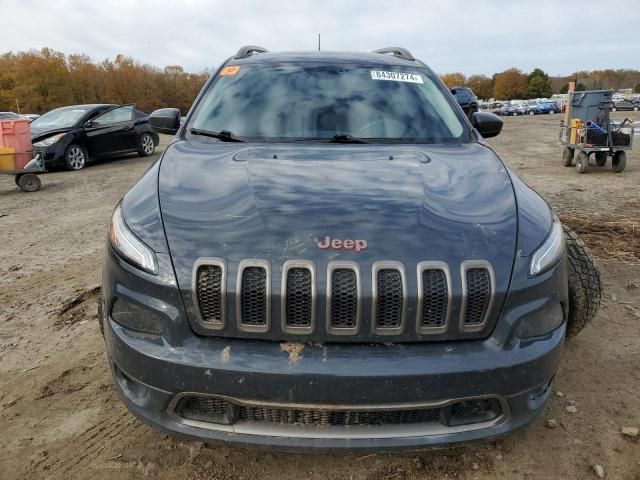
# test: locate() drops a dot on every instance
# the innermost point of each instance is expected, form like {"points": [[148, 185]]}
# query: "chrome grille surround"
{"points": [[436, 266], [464, 268], [286, 267], [246, 327], [375, 297], [331, 268], [195, 282]]}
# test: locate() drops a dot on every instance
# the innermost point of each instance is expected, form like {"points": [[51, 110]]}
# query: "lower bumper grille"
{"points": [[221, 411]]}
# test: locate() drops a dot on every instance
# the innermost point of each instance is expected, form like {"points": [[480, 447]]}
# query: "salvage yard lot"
{"points": [[60, 416]]}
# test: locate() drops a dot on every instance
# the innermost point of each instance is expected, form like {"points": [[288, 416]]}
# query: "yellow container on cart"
{"points": [[7, 158], [576, 124]]}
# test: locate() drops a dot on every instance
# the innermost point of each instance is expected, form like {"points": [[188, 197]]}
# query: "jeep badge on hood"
{"points": [[348, 244]]}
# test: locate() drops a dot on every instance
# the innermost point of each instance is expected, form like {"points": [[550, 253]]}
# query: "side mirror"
{"points": [[165, 120], [88, 124], [488, 124]]}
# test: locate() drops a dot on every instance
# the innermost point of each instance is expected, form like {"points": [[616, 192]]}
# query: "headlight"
{"points": [[49, 141], [550, 252], [128, 246]]}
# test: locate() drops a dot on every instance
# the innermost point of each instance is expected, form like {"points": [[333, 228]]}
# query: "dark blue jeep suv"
{"points": [[329, 256]]}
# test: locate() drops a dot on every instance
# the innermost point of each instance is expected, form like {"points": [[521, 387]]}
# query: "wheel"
{"points": [[613, 109], [567, 156], [551, 112], [29, 182], [75, 158], [17, 178], [582, 162], [619, 161], [635, 109], [146, 146], [585, 286], [531, 112], [601, 158]]}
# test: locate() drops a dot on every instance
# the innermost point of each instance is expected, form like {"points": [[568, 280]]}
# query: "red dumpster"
{"points": [[16, 134]]}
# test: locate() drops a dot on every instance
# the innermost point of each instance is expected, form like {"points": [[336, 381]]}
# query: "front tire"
{"points": [[146, 145], [585, 285], [75, 157]]}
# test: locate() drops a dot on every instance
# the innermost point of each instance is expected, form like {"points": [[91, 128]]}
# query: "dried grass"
{"points": [[607, 236]]}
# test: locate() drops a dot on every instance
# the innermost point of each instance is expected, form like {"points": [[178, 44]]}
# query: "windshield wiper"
{"points": [[222, 135], [345, 138]]}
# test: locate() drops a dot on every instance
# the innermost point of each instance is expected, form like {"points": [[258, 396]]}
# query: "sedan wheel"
{"points": [[75, 157], [146, 146]]}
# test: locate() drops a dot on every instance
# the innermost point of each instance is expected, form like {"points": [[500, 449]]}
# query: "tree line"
{"points": [[515, 84], [38, 81]]}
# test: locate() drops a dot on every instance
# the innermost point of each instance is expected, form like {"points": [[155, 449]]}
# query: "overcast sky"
{"points": [[474, 36]]}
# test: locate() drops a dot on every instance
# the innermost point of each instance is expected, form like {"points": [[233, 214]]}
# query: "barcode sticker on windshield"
{"points": [[396, 76]]}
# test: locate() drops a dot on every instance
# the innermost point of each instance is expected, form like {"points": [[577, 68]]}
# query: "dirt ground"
{"points": [[60, 416]]}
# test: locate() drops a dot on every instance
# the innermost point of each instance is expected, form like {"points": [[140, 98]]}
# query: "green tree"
{"points": [[538, 84], [636, 89]]}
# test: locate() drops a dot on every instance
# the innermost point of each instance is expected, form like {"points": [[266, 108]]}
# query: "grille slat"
{"points": [[478, 283], [390, 298], [435, 298], [299, 297], [344, 298], [210, 291], [253, 296]]}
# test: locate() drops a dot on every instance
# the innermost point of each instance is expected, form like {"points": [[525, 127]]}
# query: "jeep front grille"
{"points": [[344, 298], [210, 291], [298, 297], [478, 294], [253, 296], [361, 306], [389, 298]]}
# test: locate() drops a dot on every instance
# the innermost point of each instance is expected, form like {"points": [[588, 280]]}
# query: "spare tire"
{"points": [[585, 286]]}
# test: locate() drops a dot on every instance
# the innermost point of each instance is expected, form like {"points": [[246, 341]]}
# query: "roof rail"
{"points": [[249, 50], [397, 52]]}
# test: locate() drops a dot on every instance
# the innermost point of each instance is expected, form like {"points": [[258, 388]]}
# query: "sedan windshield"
{"points": [[59, 118], [292, 103]]}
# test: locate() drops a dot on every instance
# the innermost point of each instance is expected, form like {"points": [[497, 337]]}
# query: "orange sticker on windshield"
{"points": [[231, 70]]}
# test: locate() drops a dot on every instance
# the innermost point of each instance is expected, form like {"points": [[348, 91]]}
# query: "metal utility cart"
{"points": [[592, 134], [27, 178]]}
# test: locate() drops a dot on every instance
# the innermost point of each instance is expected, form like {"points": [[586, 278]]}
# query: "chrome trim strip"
{"points": [[432, 265], [467, 265], [214, 262], [288, 265], [243, 327], [339, 265], [392, 265], [338, 432]]}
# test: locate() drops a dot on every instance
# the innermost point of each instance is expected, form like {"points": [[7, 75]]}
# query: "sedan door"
{"points": [[111, 132]]}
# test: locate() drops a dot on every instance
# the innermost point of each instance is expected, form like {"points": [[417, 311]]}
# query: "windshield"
{"points": [[59, 118], [286, 103]]}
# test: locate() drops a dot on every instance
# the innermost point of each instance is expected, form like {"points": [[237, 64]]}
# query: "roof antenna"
{"points": [[318, 42]]}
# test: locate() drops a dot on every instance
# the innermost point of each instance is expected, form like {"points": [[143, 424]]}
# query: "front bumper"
{"points": [[149, 374]]}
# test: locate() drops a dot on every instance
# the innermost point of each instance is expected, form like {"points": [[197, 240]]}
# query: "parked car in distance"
{"points": [[538, 108], [512, 109], [624, 105], [10, 116], [31, 116], [336, 260], [466, 99], [75, 135]]}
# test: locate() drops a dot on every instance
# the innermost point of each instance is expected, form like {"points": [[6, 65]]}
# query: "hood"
{"points": [[409, 204], [38, 134]]}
